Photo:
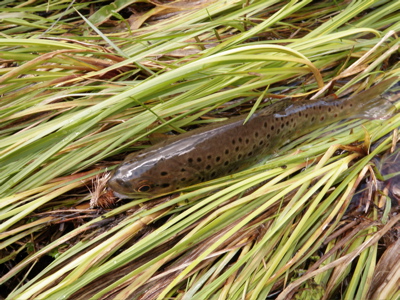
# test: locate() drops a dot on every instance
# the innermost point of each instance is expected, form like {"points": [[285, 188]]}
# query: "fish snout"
{"points": [[120, 185]]}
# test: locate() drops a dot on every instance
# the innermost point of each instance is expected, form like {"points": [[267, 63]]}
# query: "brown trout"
{"points": [[219, 149]]}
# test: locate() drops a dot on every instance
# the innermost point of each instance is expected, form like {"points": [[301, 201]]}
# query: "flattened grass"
{"points": [[79, 91]]}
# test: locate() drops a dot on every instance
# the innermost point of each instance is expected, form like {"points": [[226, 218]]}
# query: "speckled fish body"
{"points": [[219, 149]]}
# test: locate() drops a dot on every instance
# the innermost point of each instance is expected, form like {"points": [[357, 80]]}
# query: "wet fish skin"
{"points": [[219, 149]]}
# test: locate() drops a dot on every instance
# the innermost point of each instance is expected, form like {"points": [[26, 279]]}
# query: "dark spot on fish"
{"points": [[322, 118], [208, 167], [209, 156], [282, 125], [268, 136], [165, 185], [299, 113], [226, 163], [287, 123], [312, 119], [217, 159], [233, 142], [213, 174], [278, 131], [261, 142], [226, 151], [164, 173], [247, 141], [351, 104], [335, 115], [265, 124], [240, 140], [341, 107], [190, 160], [250, 153], [291, 120], [183, 170], [256, 134], [306, 115], [199, 159], [183, 179], [329, 109], [272, 127], [239, 156], [237, 148], [254, 146]]}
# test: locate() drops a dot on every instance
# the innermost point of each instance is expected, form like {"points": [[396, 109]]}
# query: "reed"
{"points": [[82, 86]]}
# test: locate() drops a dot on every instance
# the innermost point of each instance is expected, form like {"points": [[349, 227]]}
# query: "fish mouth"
{"points": [[131, 195]]}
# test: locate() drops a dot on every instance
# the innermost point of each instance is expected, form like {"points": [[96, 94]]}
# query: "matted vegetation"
{"points": [[84, 84]]}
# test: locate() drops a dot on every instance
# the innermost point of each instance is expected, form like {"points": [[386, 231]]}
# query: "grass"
{"points": [[80, 90]]}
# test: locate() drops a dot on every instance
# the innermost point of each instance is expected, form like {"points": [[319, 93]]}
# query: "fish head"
{"points": [[142, 177], [129, 188]]}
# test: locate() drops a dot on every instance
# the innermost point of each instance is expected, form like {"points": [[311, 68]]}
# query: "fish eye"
{"points": [[144, 186]]}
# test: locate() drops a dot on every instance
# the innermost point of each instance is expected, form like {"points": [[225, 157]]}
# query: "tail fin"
{"points": [[393, 94], [376, 103]]}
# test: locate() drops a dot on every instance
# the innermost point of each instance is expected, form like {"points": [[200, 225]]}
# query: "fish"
{"points": [[219, 149]]}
